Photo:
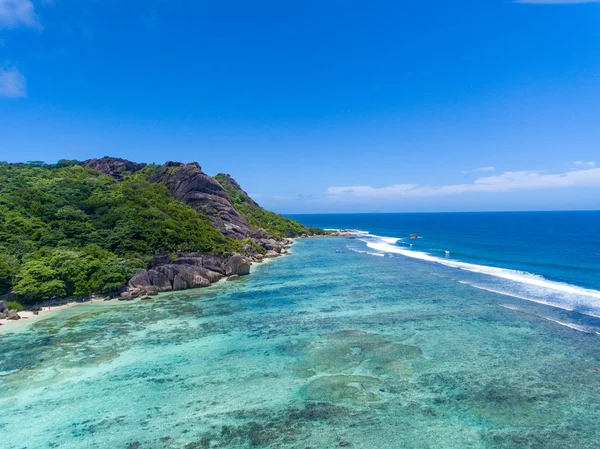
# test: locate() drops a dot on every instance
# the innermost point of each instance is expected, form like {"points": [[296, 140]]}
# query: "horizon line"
{"points": [[448, 212]]}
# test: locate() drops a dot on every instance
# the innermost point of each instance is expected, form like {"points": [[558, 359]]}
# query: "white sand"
{"points": [[27, 316]]}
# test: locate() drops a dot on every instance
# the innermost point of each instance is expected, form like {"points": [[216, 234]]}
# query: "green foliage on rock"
{"points": [[14, 305], [275, 224], [66, 230]]}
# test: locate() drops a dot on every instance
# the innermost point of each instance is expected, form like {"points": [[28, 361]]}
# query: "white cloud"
{"points": [[555, 2], [481, 169], [14, 13], [507, 181], [583, 164], [12, 83]]}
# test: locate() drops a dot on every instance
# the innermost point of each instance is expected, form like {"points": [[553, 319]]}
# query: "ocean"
{"points": [[482, 333], [550, 257]]}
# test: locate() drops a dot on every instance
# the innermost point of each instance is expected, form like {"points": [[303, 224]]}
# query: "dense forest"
{"points": [[68, 230]]}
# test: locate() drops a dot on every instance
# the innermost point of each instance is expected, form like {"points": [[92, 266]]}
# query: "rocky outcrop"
{"points": [[10, 296], [189, 270], [174, 276], [237, 264], [12, 315], [160, 280], [236, 186], [190, 184], [271, 245], [140, 280], [113, 166], [215, 201]]}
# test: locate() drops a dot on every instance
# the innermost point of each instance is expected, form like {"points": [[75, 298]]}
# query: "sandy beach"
{"points": [[29, 316]]}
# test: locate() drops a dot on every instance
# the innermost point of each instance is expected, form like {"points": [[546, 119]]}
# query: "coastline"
{"points": [[35, 313], [45, 309], [29, 317], [291, 336]]}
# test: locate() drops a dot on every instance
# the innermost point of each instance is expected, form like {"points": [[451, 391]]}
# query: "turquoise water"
{"points": [[325, 346]]}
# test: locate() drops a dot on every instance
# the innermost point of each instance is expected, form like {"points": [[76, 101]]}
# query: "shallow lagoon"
{"points": [[309, 351]]}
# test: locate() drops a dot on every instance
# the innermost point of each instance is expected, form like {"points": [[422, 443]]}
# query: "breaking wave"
{"points": [[366, 252], [515, 283], [577, 327]]}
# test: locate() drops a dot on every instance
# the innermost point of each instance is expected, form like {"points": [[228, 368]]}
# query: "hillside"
{"points": [[78, 228], [274, 224]]}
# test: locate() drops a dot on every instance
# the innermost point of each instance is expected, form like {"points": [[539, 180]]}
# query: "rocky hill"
{"points": [[115, 227]]}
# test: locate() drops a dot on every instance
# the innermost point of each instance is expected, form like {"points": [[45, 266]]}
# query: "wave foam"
{"points": [[366, 252], [539, 289], [526, 298], [577, 327]]}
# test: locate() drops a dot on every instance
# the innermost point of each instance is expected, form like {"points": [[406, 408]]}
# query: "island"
{"points": [[122, 229]]}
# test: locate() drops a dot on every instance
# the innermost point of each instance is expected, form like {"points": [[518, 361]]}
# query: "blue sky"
{"points": [[318, 106]]}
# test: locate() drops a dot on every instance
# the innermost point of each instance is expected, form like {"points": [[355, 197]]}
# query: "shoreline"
{"points": [[28, 316], [37, 312], [44, 309]]}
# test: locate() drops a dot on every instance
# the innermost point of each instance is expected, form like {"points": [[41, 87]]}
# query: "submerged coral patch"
{"points": [[350, 350], [341, 388]]}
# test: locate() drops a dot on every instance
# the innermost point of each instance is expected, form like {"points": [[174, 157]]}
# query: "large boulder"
{"points": [[197, 276], [179, 283], [214, 263], [168, 271], [13, 315], [188, 276], [159, 259], [152, 290], [173, 276], [140, 280], [159, 280], [188, 261], [237, 264], [3, 307], [270, 244], [212, 276], [10, 296], [189, 279], [113, 166], [271, 254]]}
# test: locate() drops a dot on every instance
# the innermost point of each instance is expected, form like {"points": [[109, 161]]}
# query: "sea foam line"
{"points": [[387, 244], [366, 252], [577, 327], [526, 298]]}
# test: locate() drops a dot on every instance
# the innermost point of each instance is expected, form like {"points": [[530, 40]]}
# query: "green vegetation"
{"points": [[14, 305], [66, 230], [275, 224]]}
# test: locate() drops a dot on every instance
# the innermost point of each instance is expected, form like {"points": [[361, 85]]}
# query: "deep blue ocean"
{"points": [[552, 257], [362, 342]]}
